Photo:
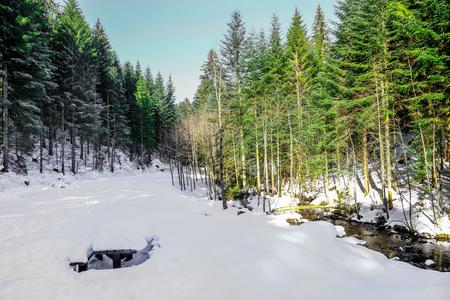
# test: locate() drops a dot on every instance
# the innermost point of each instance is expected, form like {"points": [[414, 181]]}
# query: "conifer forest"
{"points": [[275, 112]]}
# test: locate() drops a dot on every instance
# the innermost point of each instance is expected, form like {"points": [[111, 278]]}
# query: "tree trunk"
{"points": [[113, 145], [380, 138], [429, 183], [278, 169], [50, 142], [63, 139], [409, 184], [81, 146], [244, 167], [327, 179], [388, 160], [272, 167], [266, 169], [41, 146], [338, 151], [236, 169], [366, 164], [5, 121], [258, 172], [291, 158], [222, 186], [72, 154], [108, 137]]}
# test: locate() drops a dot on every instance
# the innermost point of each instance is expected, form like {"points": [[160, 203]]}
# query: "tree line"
{"points": [[280, 113], [63, 89]]}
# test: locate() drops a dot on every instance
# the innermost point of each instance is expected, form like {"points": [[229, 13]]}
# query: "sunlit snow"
{"points": [[204, 252]]}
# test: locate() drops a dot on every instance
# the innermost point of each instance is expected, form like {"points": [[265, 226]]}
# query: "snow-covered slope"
{"points": [[204, 252]]}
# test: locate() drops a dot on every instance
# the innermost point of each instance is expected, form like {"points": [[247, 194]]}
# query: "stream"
{"points": [[405, 246]]}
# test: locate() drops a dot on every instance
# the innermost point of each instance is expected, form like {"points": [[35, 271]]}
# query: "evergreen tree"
{"points": [[319, 34], [25, 76], [146, 119], [205, 94], [231, 49], [76, 77], [132, 109]]}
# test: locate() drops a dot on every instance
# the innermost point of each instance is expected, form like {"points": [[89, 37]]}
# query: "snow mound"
{"points": [[123, 232]]}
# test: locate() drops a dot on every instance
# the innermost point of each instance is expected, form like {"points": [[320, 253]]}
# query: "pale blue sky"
{"points": [[174, 36]]}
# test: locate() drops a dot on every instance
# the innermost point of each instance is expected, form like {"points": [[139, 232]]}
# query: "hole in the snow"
{"points": [[115, 258]]}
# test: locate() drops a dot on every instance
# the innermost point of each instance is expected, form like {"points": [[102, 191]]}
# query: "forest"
{"points": [[274, 112], [63, 88], [281, 113]]}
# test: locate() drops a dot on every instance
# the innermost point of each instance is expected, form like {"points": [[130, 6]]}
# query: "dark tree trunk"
{"points": [[5, 121]]}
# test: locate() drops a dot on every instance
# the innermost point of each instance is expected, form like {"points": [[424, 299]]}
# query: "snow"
{"points": [[340, 231], [429, 262], [371, 205], [204, 252]]}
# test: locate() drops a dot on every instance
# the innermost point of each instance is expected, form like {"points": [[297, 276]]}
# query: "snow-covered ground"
{"points": [[200, 251], [371, 205]]}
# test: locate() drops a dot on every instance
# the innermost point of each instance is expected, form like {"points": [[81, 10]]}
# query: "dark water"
{"points": [[407, 247]]}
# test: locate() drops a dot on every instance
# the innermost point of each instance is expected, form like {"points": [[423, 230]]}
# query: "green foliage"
{"points": [[346, 206], [61, 79]]}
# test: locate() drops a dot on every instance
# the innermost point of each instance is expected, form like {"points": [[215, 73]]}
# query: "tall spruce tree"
{"points": [[25, 76], [147, 132], [231, 49], [76, 77]]}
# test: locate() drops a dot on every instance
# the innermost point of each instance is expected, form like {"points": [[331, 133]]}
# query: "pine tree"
{"points": [[146, 119], [319, 34], [297, 84], [231, 50], [132, 109], [25, 76], [76, 77], [422, 75], [321, 97]]}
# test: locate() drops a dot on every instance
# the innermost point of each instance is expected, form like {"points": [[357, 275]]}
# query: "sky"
{"points": [[174, 36]]}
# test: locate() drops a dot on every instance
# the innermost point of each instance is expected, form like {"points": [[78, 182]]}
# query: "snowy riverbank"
{"points": [[204, 252]]}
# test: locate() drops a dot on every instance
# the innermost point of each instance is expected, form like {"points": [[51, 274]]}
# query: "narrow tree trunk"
{"points": [[113, 155], [244, 167], [5, 120], [380, 138], [190, 177], [278, 169], [395, 163], [81, 146], [433, 156], [63, 138], [429, 183], [183, 176], [41, 146], [73, 140], [108, 128], [258, 172], [441, 156], [266, 168], [338, 151], [291, 158], [171, 171], [348, 169], [142, 139], [272, 167], [366, 164], [113, 145], [236, 169], [409, 184], [388, 161], [327, 179], [222, 186], [50, 142]]}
